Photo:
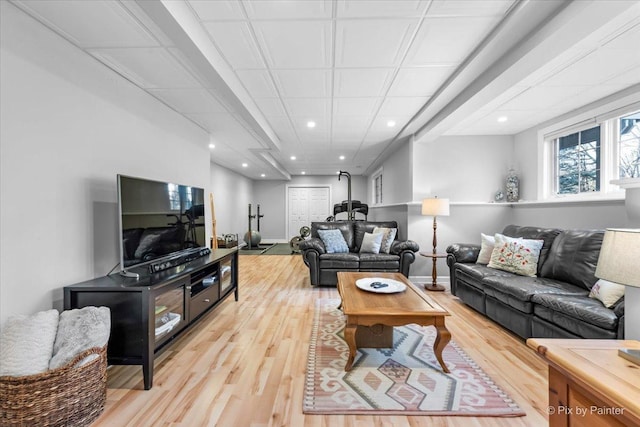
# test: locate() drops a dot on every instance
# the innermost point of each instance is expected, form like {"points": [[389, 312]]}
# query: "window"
{"points": [[629, 146], [377, 187], [583, 159], [178, 201], [578, 162]]}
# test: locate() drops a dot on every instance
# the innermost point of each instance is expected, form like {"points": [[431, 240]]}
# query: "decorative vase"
{"points": [[513, 184]]}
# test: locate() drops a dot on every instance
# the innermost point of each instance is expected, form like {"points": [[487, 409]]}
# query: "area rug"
{"points": [[403, 380]]}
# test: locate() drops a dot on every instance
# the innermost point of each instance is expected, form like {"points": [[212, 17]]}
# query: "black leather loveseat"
{"points": [[556, 303], [323, 266]]}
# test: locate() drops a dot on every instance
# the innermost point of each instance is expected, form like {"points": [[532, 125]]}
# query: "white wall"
{"points": [[232, 193], [68, 125], [397, 176]]}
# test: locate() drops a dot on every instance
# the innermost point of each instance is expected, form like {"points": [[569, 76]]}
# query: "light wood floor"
{"points": [[244, 363]]}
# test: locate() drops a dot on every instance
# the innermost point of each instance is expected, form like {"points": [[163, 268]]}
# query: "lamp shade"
{"points": [[619, 259], [435, 207]]}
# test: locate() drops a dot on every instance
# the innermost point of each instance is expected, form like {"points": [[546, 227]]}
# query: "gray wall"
{"points": [[68, 126], [271, 195], [232, 193]]}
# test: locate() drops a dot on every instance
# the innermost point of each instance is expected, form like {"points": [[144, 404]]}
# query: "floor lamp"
{"points": [[434, 207]]}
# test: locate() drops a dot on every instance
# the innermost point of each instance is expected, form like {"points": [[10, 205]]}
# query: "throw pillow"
{"points": [[607, 292], [333, 241], [26, 343], [80, 330], [387, 239], [519, 256], [371, 243], [486, 248]]}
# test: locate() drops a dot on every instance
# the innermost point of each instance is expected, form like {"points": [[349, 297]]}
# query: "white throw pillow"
{"points": [[26, 343], [519, 256], [486, 248], [387, 239], [371, 243], [607, 292]]}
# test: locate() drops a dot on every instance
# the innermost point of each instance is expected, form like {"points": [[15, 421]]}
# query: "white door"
{"points": [[306, 205]]}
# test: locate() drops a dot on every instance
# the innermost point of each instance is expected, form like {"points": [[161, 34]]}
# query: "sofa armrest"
{"points": [[462, 252], [397, 247], [314, 243]]}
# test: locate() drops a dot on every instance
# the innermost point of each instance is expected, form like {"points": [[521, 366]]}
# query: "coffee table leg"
{"points": [[442, 339], [350, 338]]}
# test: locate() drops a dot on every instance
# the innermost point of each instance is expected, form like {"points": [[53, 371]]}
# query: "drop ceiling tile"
{"points": [[361, 82], [235, 42], [270, 106], [379, 131], [317, 109], [372, 42], [150, 68], [448, 40], [289, 9], [355, 106], [189, 100], [469, 7], [402, 106], [419, 82], [380, 9], [95, 23], [350, 128], [295, 44], [303, 83], [282, 127], [217, 10], [258, 83], [318, 134]]}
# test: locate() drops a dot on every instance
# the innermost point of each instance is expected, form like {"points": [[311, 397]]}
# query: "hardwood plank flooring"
{"points": [[244, 363]]}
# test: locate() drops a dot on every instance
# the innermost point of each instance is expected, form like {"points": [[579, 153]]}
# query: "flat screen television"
{"points": [[158, 220]]}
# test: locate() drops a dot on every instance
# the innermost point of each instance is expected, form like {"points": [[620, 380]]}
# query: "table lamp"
{"points": [[619, 262], [435, 207]]}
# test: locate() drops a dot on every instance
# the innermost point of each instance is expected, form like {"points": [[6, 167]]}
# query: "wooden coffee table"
{"points": [[371, 316]]}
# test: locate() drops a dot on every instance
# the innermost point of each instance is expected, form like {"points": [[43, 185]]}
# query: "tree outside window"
{"points": [[629, 146], [578, 162]]}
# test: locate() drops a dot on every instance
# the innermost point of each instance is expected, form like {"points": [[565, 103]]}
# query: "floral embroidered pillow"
{"points": [[519, 256]]}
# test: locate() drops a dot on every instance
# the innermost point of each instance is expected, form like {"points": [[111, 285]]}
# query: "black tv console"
{"points": [[148, 313]]}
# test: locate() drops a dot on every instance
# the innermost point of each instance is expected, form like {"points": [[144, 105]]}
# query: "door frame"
{"points": [[286, 201]]}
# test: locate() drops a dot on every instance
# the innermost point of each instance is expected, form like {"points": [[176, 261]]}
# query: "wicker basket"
{"points": [[67, 396]]}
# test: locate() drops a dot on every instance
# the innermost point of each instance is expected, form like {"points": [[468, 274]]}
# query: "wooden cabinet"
{"points": [[589, 384], [147, 314]]}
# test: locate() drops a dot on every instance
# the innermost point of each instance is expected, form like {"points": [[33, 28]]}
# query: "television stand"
{"points": [[148, 313]]}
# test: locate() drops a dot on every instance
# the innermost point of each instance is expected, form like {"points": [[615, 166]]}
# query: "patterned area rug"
{"points": [[405, 379]]}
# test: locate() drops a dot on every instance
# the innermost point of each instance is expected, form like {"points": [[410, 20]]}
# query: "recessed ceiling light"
{"points": [[311, 124], [502, 119], [341, 157], [244, 165], [212, 145], [337, 172], [391, 123], [262, 175], [292, 157], [303, 173]]}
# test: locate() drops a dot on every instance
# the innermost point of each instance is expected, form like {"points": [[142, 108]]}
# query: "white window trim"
{"points": [[608, 152], [374, 176]]}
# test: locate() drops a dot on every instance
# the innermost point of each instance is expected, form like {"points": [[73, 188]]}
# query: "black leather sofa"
{"points": [[555, 304], [324, 266]]}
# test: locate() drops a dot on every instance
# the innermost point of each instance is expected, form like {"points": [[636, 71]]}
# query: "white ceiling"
{"points": [[253, 73]]}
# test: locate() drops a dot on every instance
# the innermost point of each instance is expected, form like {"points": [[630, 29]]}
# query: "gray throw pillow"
{"points": [[333, 241], [80, 330]]}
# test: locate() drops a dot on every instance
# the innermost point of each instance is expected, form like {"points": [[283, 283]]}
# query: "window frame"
{"points": [[609, 153], [374, 188]]}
